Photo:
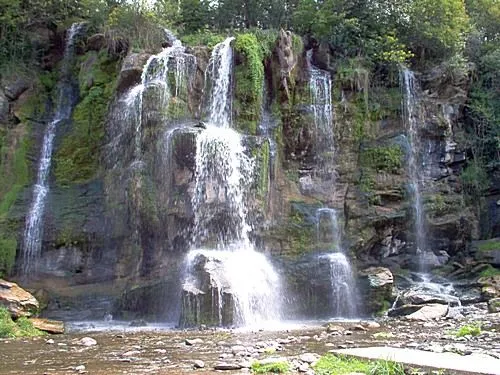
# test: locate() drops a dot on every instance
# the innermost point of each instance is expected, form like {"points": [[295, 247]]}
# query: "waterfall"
{"points": [[343, 298], [173, 61], [413, 120], [33, 232], [320, 86], [218, 76], [226, 281]]}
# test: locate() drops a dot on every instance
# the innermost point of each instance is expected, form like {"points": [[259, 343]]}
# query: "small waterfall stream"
{"points": [[224, 273], [343, 298], [320, 86], [413, 120], [33, 232]]}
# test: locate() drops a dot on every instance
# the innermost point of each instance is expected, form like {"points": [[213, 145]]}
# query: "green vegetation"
{"points": [[22, 327], [489, 245], [270, 368], [203, 38], [249, 80], [490, 271], [469, 330], [77, 159], [339, 365], [383, 158]]}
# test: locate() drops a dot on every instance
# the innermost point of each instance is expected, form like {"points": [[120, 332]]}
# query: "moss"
{"points": [[77, 159], [490, 271], [20, 328], [203, 38], [468, 330], [8, 246], [270, 368], [489, 245], [249, 78], [382, 158], [264, 160]]}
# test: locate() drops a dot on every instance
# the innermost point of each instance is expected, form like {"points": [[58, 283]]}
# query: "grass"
{"points": [[22, 327], [469, 330], [270, 368], [339, 365], [490, 245], [489, 271]]}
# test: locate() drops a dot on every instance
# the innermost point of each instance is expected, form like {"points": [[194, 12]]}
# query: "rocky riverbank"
{"points": [[474, 331]]}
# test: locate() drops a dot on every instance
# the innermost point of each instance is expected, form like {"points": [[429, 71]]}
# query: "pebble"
{"points": [[87, 341], [49, 341], [79, 368], [131, 353], [198, 363], [309, 357], [227, 366], [191, 342]]}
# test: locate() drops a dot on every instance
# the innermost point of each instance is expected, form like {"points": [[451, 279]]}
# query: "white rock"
{"points": [[309, 357], [198, 363], [87, 341], [191, 342]]}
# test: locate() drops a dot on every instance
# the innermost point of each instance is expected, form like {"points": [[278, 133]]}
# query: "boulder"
{"points": [[131, 71], [487, 251], [17, 301], [429, 312], [376, 286], [490, 286], [96, 42], [14, 89], [46, 325], [494, 305], [4, 107], [421, 298]]}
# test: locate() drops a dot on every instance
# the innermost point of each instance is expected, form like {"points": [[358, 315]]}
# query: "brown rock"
{"points": [[130, 74], [46, 325], [18, 301]]}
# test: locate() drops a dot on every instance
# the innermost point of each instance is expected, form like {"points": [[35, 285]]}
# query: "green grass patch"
{"points": [[339, 365], [489, 271], [468, 330], [22, 327], [385, 158], [270, 368], [77, 159], [489, 245], [203, 38]]}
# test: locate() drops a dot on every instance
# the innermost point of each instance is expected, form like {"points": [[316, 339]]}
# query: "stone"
{"points": [[371, 325], [429, 312], [46, 325], [13, 90], [198, 363], [334, 328], [376, 285], [191, 342], [4, 107], [16, 300], [131, 71], [79, 368], [96, 42], [87, 341], [309, 357], [490, 286], [421, 298], [236, 349], [131, 353], [227, 366], [49, 341], [358, 327], [494, 305]]}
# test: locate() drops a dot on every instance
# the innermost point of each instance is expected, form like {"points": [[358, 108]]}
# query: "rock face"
{"points": [[4, 107], [46, 325], [376, 285], [131, 71], [18, 301]]}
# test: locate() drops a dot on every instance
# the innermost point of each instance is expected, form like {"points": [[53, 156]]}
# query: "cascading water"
{"points": [[227, 282], [155, 74], [413, 119], [320, 84], [33, 231], [343, 298]]}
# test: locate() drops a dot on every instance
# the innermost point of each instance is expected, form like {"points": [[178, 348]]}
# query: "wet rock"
{"points": [[421, 298], [237, 349], [96, 42], [192, 342], [17, 300], [309, 357], [332, 328], [227, 366], [13, 90], [429, 312], [130, 74], [87, 341], [494, 305], [138, 323], [46, 325], [4, 107], [376, 285], [454, 313], [404, 310], [198, 363]]}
